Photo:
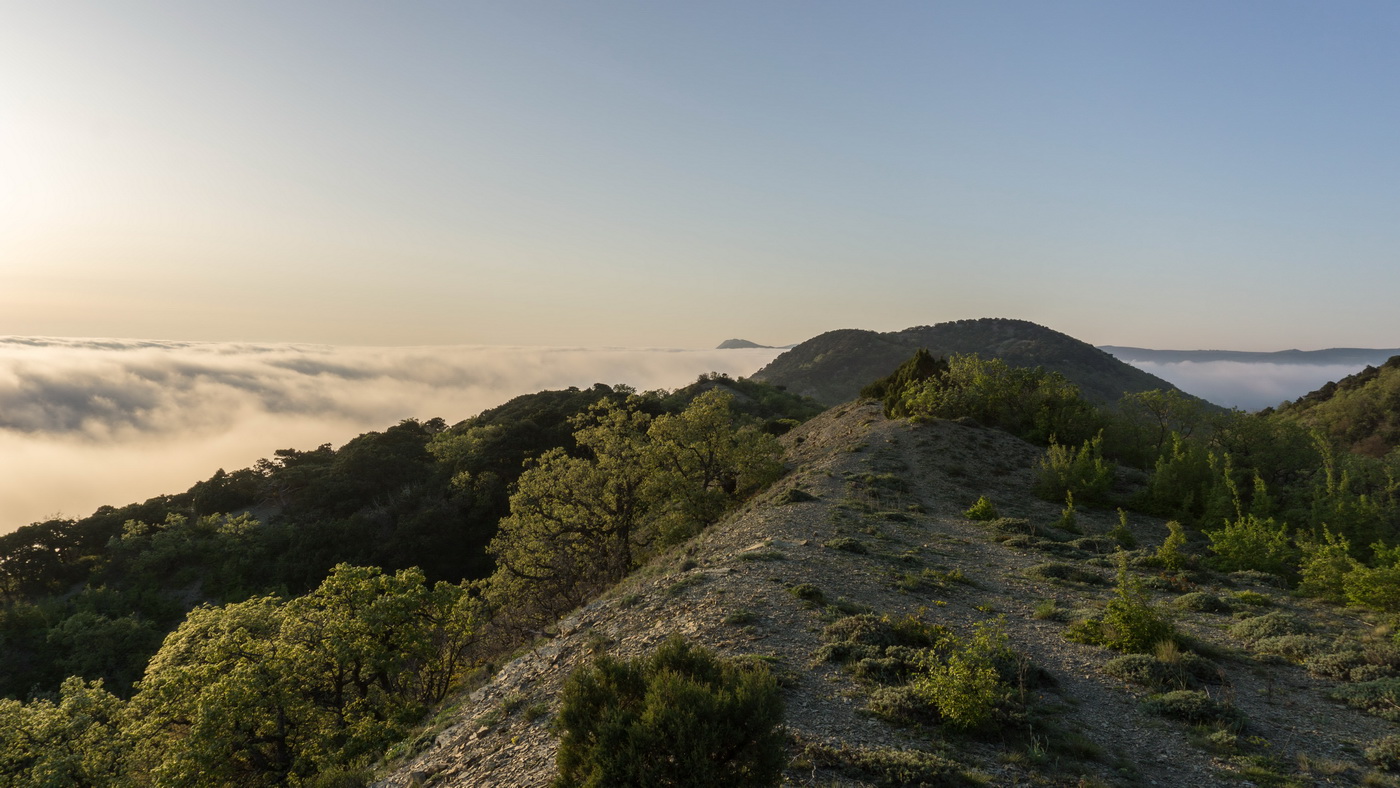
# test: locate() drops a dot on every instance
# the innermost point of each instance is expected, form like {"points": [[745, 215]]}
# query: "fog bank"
{"points": [[1247, 385], [87, 422]]}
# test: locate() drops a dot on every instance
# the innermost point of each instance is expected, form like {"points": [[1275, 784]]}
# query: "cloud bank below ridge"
{"points": [[87, 422]]}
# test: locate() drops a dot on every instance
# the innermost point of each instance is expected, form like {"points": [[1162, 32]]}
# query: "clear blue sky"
{"points": [[1183, 175]]}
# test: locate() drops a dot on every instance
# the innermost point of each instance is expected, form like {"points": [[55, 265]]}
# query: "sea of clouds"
{"points": [[87, 422], [1246, 385]]}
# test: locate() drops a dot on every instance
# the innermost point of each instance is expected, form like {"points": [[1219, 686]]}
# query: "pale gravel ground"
{"points": [[491, 742]]}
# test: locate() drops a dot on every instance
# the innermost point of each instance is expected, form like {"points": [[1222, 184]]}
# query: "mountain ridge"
{"points": [[833, 367]]}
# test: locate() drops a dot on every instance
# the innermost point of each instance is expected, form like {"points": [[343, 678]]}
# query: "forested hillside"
{"points": [[833, 367], [1360, 412]]}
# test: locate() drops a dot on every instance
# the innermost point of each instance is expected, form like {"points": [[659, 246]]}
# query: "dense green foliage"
{"points": [[579, 524], [1310, 493], [283, 624], [1029, 403], [680, 717], [1360, 413]]}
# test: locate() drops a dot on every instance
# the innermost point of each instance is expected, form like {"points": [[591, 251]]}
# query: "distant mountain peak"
{"points": [[834, 366]]}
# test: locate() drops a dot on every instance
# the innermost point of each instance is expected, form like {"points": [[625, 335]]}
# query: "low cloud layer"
{"points": [[91, 422], [1247, 385]]}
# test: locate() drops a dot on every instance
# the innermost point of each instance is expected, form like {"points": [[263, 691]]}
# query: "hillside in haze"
{"points": [[834, 366], [1361, 412]]}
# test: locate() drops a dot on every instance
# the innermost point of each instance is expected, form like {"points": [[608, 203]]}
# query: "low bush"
{"points": [[1201, 602], [1195, 707], [1066, 572], [1384, 754], [681, 717], [1129, 622], [1293, 647], [1269, 625], [1380, 697], [984, 510], [1186, 671], [847, 544]]}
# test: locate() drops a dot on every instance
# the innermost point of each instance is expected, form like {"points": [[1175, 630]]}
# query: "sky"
{"points": [[628, 174]]}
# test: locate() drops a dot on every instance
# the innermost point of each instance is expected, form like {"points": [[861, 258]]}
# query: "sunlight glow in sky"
{"points": [[1194, 174]]}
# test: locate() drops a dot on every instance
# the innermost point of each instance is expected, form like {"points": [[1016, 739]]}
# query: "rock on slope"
{"points": [[833, 367], [898, 490]]}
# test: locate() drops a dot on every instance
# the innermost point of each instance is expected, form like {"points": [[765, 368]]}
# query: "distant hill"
{"points": [[1361, 412], [833, 367], [740, 344], [1335, 355]]}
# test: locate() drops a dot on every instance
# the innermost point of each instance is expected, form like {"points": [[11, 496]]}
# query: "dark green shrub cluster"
{"points": [[881, 648], [890, 768], [1380, 697], [1186, 671], [847, 544], [1357, 662], [1066, 572], [681, 717], [1384, 753], [1202, 602], [1195, 707], [1082, 473], [1292, 647], [1269, 625], [793, 495]]}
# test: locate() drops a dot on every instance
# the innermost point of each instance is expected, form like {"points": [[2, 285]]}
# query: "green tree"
{"points": [[71, 740], [264, 692], [702, 461], [576, 524]]}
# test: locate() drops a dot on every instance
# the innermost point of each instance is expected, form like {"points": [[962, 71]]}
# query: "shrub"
{"points": [[1066, 572], [1121, 533], [1379, 586], [1172, 553], [889, 767], [1336, 665], [1294, 647], [681, 717], [1251, 543], [1082, 472], [1201, 602], [1384, 753], [1269, 625], [793, 495], [1195, 707], [982, 510], [847, 544], [966, 686], [1129, 623], [808, 593], [1325, 565], [1380, 697], [1185, 671]]}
